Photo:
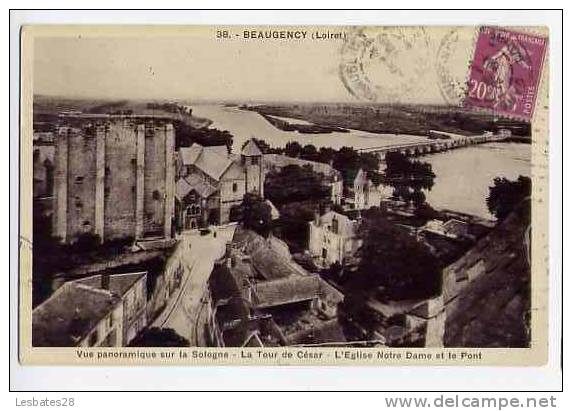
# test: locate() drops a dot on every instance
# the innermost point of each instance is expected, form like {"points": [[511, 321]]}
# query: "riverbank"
{"points": [[309, 128], [405, 120]]}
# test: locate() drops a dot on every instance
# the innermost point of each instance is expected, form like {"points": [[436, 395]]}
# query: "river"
{"points": [[245, 124], [463, 175]]}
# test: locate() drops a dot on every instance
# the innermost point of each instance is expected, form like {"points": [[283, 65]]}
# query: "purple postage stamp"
{"points": [[505, 72]]}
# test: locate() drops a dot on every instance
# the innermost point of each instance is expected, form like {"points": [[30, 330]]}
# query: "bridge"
{"points": [[435, 146]]}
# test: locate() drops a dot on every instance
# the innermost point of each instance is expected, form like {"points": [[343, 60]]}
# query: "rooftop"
{"points": [[193, 182], [67, 317], [119, 284], [251, 149], [287, 290], [213, 160], [492, 308]]}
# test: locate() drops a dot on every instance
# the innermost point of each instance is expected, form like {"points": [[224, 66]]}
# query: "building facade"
{"points": [[362, 193], [97, 311], [131, 288], [333, 239], [114, 178], [211, 182]]}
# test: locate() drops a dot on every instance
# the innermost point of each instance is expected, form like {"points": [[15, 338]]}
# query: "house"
{"points": [[132, 289], [452, 228], [212, 182], [97, 311], [260, 297], [361, 193], [333, 238]]}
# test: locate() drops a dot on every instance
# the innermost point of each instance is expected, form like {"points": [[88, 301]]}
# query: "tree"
{"points": [[185, 136], [392, 259], [293, 149], [294, 183], [309, 152], [505, 195], [293, 223], [326, 155], [408, 178], [256, 214], [159, 337]]}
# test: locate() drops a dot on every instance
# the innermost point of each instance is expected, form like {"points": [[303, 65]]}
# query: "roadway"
{"points": [[184, 312]]}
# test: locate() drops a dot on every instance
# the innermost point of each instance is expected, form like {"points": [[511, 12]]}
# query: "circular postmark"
{"points": [[384, 64], [452, 67]]}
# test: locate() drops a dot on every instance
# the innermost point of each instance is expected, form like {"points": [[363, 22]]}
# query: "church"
{"points": [[211, 182]]}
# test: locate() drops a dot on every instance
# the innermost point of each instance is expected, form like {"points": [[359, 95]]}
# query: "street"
{"points": [[183, 313]]}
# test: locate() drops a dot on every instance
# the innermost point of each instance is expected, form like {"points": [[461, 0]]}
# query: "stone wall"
{"points": [[120, 180], [81, 178], [114, 179]]}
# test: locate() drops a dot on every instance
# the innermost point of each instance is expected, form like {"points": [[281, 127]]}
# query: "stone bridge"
{"points": [[433, 146]]}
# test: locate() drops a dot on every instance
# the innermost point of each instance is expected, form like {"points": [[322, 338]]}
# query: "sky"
{"points": [[192, 63]]}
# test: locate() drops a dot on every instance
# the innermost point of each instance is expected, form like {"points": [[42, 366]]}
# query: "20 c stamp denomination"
{"points": [[505, 72]]}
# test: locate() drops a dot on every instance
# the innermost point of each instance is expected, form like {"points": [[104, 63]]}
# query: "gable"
{"points": [[235, 171]]}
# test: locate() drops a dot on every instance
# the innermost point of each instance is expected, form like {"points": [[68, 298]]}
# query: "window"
{"points": [[79, 179], [234, 187], [324, 253], [254, 161]]}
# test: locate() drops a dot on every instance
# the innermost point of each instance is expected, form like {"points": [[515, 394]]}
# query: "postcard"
{"points": [[284, 195]]}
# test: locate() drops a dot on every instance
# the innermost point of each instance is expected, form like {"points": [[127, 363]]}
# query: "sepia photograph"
{"points": [[315, 188]]}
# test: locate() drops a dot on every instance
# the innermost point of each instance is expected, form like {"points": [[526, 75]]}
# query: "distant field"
{"points": [[45, 108], [417, 120]]}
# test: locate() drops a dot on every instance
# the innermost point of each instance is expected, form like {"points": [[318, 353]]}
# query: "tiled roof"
{"points": [[193, 182], [251, 149], [213, 160], [66, 318], [190, 154], [492, 308], [119, 284], [268, 263], [182, 188], [212, 163], [287, 290]]}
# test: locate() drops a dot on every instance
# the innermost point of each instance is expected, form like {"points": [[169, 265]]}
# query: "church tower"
{"points": [[252, 159]]}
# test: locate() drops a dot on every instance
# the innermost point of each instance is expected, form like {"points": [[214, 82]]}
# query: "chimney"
{"points": [[105, 281]]}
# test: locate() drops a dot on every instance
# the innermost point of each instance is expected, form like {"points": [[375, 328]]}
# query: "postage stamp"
{"points": [[505, 72]]}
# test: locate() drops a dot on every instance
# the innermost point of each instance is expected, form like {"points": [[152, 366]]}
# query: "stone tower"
{"points": [[252, 159]]}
